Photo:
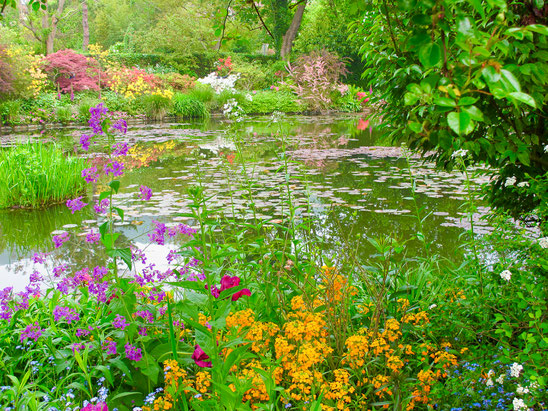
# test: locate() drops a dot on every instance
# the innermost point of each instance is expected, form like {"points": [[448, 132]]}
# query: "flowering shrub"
{"points": [[224, 66], [72, 71], [6, 74], [220, 84], [315, 76]]}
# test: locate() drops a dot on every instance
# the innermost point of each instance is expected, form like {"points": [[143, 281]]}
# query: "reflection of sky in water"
{"points": [[336, 178]]}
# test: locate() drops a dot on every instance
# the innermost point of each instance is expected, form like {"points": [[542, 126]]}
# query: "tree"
{"points": [[452, 76], [72, 71]]}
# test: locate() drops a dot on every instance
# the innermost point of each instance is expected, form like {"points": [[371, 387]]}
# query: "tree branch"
{"points": [[220, 43], [260, 18]]}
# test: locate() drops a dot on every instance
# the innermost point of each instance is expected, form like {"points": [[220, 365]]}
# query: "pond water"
{"points": [[337, 175]]}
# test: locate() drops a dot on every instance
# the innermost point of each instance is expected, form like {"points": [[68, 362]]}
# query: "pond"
{"points": [[349, 187]]}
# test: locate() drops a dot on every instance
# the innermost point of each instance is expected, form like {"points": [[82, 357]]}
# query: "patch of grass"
{"points": [[63, 114], [35, 175], [268, 101], [203, 93], [154, 106], [185, 105]]}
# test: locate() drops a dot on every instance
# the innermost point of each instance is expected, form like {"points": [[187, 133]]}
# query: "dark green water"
{"points": [[348, 188]]}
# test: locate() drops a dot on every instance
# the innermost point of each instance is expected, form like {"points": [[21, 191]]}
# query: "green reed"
{"points": [[36, 175]]}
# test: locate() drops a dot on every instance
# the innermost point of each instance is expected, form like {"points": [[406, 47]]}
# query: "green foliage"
{"points": [[84, 106], [268, 101], [154, 106], [349, 100], [118, 102], [202, 92], [35, 175], [63, 114], [185, 105], [10, 112], [463, 75]]}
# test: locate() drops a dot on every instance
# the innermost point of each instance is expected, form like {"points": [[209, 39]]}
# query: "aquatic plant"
{"points": [[36, 175]]}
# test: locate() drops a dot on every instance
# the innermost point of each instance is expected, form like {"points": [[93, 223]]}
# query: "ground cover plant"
{"points": [[34, 175], [256, 316]]}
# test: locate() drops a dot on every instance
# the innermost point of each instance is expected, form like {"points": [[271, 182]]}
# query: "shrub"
{"points": [[202, 92], [131, 82], [63, 114], [84, 106], [268, 101], [252, 76], [349, 100], [185, 105], [35, 175], [6, 73], [155, 106], [10, 112], [178, 82], [117, 102], [315, 76], [72, 71]]}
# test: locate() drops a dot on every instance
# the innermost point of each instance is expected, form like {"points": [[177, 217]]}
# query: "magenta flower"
{"points": [[39, 258], [146, 193], [32, 331], [110, 347], [102, 206], [231, 282], [120, 322], [67, 313], [58, 240], [200, 357], [133, 353], [90, 175], [76, 204], [93, 237], [158, 234], [121, 126], [85, 141], [115, 168], [96, 118], [100, 406], [120, 149]]}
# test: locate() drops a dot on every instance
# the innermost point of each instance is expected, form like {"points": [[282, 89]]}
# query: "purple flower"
{"points": [[67, 313], [115, 168], [146, 193], [199, 356], [143, 331], [120, 149], [172, 256], [181, 229], [35, 277], [33, 331], [102, 206], [81, 332], [120, 322], [39, 258], [76, 204], [121, 126], [96, 118], [78, 347], [90, 175], [145, 315], [133, 353], [99, 290], [100, 406], [93, 237], [99, 272], [85, 141], [158, 234], [110, 347], [57, 271], [58, 240]]}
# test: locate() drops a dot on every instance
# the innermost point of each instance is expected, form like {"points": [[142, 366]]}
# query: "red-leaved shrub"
{"points": [[72, 70], [315, 76], [6, 73]]}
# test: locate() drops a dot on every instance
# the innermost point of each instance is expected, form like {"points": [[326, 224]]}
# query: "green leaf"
{"points": [[477, 4], [103, 195], [409, 99], [415, 126], [115, 185], [123, 253], [467, 101], [445, 102], [465, 26], [524, 98], [109, 239], [120, 212], [490, 74], [430, 55], [538, 28], [510, 80], [474, 112], [459, 122]]}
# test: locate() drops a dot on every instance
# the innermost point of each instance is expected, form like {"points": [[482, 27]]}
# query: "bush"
{"points": [[84, 106], [118, 102], [202, 92], [72, 71], [178, 82], [268, 101], [349, 101], [155, 106], [63, 114], [6, 73], [10, 112], [187, 106], [315, 76], [35, 175]]}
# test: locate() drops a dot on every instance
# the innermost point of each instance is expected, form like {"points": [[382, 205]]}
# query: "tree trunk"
{"points": [[291, 33], [85, 26]]}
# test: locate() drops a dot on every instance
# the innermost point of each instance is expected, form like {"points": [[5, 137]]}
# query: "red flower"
{"points": [[237, 295], [200, 357], [362, 125]]}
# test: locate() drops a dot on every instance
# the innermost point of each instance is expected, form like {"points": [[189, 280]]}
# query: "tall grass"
{"points": [[154, 105], [35, 175], [188, 106]]}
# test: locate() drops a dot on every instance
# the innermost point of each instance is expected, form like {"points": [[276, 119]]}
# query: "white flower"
{"points": [[534, 385], [219, 84], [521, 390], [510, 181], [506, 275], [543, 242], [500, 380], [519, 404], [523, 184], [489, 382], [432, 306], [490, 373], [546, 148], [515, 369], [459, 153]]}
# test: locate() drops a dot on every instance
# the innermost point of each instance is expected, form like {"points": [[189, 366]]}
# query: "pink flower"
{"points": [[200, 357], [101, 406], [360, 94], [362, 124], [230, 282]]}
